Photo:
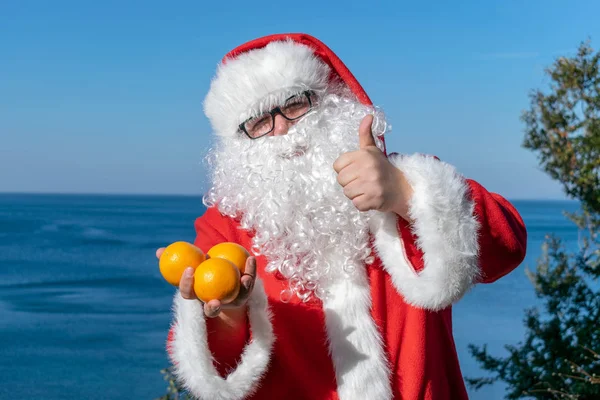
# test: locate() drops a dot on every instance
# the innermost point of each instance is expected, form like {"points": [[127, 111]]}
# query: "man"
{"points": [[358, 255]]}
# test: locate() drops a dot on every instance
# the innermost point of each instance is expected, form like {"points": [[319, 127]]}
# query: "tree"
{"points": [[560, 355], [174, 389]]}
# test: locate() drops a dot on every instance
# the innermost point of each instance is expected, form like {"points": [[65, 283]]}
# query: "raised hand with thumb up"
{"points": [[369, 179]]}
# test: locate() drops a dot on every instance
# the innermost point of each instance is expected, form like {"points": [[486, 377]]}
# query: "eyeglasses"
{"points": [[294, 108]]}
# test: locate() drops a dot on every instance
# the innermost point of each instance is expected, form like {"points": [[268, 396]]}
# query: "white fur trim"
{"points": [[446, 230], [192, 360], [355, 343], [257, 80]]}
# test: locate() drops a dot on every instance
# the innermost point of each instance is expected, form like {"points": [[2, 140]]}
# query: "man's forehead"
{"points": [[271, 100]]}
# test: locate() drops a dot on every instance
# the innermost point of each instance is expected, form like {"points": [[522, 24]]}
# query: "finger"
{"points": [[248, 279], [354, 190], [250, 267], [186, 284], [361, 203], [365, 134], [343, 161], [348, 174], [159, 252], [247, 284], [212, 308]]}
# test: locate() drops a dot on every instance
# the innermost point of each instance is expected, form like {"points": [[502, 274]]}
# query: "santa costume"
{"points": [[365, 310]]}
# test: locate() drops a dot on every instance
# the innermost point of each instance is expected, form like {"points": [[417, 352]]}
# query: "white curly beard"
{"points": [[284, 189]]}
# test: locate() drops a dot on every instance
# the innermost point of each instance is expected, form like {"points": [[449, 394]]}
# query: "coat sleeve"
{"points": [[459, 235], [208, 366]]}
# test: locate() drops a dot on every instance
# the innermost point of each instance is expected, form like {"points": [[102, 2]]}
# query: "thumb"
{"points": [[365, 135]]}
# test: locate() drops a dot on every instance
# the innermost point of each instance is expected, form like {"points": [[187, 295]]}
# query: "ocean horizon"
{"points": [[199, 195], [86, 312]]}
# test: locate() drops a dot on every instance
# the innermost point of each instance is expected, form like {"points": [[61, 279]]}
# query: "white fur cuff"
{"points": [[446, 230], [193, 362]]}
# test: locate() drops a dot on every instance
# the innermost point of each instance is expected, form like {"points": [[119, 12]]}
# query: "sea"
{"points": [[84, 311]]}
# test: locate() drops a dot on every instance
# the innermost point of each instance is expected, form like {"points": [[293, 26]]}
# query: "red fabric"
{"points": [[419, 344], [297, 328], [502, 241], [503, 236], [226, 348]]}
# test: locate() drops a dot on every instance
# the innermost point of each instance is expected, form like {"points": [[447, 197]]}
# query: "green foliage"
{"points": [[560, 356], [174, 391], [564, 125]]}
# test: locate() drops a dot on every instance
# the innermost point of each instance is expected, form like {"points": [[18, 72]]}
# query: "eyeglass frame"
{"points": [[277, 110]]}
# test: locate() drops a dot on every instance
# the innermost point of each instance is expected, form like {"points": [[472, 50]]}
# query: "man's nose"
{"points": [[282, 126]]}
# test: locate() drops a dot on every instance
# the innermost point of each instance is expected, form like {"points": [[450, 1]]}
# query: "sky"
{"points": [[106, 97]]}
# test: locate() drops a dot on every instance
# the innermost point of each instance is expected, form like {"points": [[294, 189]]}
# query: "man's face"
{"points": [[278, 120]]}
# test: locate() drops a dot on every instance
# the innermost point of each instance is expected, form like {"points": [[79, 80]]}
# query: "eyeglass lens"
{"points": [[294, 108]]}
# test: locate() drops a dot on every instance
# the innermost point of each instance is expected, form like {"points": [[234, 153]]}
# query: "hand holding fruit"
{"points": [[223, 279]]}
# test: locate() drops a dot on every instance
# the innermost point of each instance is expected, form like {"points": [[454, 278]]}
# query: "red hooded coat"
{"points": [[386, 334]]}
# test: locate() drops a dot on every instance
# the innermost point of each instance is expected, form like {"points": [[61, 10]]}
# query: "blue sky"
{"points": [[106, 97]]}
